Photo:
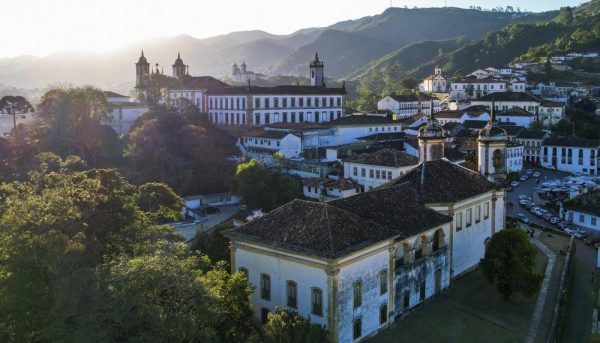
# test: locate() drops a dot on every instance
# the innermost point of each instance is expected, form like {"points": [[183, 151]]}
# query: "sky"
{"points": [[40, 27]]}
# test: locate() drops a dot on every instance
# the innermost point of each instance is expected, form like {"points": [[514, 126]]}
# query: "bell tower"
{"points": [[179, 68], [431, 139], [142, 70], [492, 145], [317, 76]]}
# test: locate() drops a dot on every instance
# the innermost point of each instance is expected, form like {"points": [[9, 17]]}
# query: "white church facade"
{"points": [[355, 264]]}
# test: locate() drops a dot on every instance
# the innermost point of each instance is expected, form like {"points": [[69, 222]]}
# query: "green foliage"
{"points": [[80, 260], [159, 202], [213, 243], [579, 122], [264, 189], [509, 261], [180, 151], [286, 326]]}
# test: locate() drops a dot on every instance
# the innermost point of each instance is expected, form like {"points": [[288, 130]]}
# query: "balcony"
{"points": [[438, 258]]}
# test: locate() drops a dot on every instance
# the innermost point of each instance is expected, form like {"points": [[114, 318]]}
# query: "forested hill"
{"points": [[345, 47]]}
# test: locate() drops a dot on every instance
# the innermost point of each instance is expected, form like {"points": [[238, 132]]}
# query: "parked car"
{"points": [[523, 197], [523, 178], [522, 218], [514, 184], [537, 174], [529, 171], [554, 220], [547, 216], [581, 234], [571, 230]]}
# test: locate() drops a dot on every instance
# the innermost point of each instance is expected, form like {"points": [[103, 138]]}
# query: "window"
{"points": [[458, 221], [356, 329], [265, 286], [582, 218], [357, 298], [383, 282], [469, 217], [486, 210], [593, 222], [317, 302], [478, 214], [244, 271], [371, 173], [292, 294], [383, 314], [389, 175], [355, 171], [377, 174], [363, 172]]}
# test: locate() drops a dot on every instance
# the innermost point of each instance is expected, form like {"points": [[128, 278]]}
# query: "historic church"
{"points": [[356, 264]]}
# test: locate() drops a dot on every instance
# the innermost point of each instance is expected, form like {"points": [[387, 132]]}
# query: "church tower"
{"points": [[492, 143], [142, 70], [317, 77], [179, 68], [431, 139]]}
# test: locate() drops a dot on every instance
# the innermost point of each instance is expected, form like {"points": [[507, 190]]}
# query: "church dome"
{"points": [[178, 61], [431, 130]]}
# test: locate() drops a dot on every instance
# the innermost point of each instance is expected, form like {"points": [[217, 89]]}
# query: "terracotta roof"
{"points": [[110, 94], [208, 83], [487, 80], [474, 124], [588, 203], [530, 134], [449, 114], [271, 134], [509, 96], [552, 104], [453, 154], [412, 98], [331, 183], [384, 157], [297, 126], [572, 141], [314, 228], [381, 137], [284, 89], [359, 119], [515, 111], [512, 130], [442, 181]]}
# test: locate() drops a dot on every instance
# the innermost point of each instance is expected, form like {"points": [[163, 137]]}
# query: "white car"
{"points": [[514, 184], [571, 230], [536, 174], [523, 218]]}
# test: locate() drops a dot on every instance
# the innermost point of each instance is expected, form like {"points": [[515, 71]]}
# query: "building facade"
{"points": [[373, 169], [406, 105], [571, 154], [532, 144]]}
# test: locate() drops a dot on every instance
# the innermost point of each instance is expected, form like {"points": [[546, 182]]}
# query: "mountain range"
{"points": [[349, 49]]}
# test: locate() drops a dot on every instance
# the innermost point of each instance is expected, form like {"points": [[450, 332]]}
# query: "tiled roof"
{"points": [[271, 134], [453, 155], [331, 183], [476, 108], [512, 130], [530, 134], [381, 137], [285, 90], [449, 114], [360, 120], [474, 124], [110, 94], [442, 181], [384, 157], [515, 111], [509, 96], [208, 83], [411, 98], [552, 104], [572, 141], [313, 228]]}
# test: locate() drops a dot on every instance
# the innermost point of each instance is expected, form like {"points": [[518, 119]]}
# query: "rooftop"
{"points": [[411, 98], [270, 134], [342, 184], [110, 94], [572, 141], [284, 89], [515, 111], [530, 134], [474, 124], [384, 157], [509, 96], [208, 83], [382, 137]]}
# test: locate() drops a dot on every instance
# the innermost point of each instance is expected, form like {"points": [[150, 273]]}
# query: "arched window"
{"points": [[308, 102], [293, 101], [357, 294], [285, 102], [438, 240]]}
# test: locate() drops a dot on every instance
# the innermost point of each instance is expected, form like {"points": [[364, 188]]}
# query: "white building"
{"points": [[532, 143], [460, 116], [475, 88], [435, 83], [518, 116], [263, 145], [514, 157], [508, 100], [329, 189], [586, 213], [360, 262], [407, 105], [571, 154], [373, 169], [551, 112], [123, 112]]}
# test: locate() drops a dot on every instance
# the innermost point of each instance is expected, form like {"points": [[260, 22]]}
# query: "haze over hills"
{"points": [[346, 47]]}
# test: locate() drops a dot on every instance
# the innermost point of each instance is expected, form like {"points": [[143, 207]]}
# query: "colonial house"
{"points": [[532, 142], [551, 112], [262, 145], [587, 213], [514, 157], [474, 88], [406, 105], [372, 169], [571, 154], [505, 101], [329, 189], [123, 112], [518, 116]]}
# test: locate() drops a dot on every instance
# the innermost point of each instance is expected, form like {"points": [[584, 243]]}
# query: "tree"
{"points": [[286, 326], [536, 125], [566, 15], [563, 128], [14, 105], [212, 243], [264, 189], [159, 202], [509, 261]]}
